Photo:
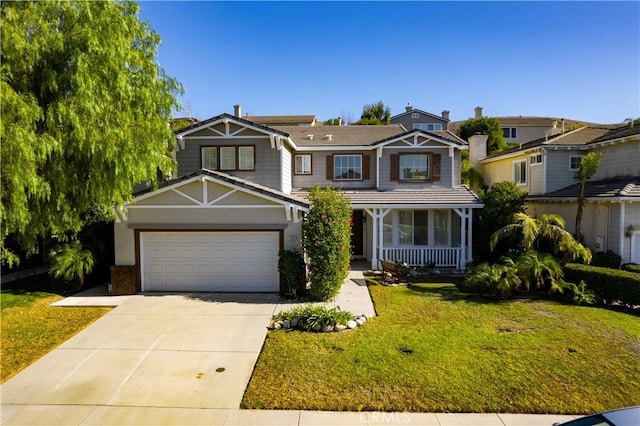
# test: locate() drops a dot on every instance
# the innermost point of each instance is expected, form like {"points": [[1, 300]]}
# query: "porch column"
{"points": [[462, 260], [374, 252], [470, 239], [621, 232]]}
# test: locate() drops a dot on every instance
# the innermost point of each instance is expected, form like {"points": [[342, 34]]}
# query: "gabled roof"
{"points": [[434, 196], [597, 189], [575, 138], [619, 132], [419, 111], [205, 123], [281, 120], [233, 180], [444, 136]]}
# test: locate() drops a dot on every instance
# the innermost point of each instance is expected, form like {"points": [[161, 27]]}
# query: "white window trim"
{"points": [[425, 127], [534, 156], [295, 165], [347, 180], [429, 167], [513, 171], [510, 132], [571, 157]]}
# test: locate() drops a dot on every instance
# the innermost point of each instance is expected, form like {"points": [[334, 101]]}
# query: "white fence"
{"points": [[419, 256]]}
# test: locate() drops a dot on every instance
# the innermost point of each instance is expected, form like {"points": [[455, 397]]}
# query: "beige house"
{"points": [[546, 169], [241, 195]]}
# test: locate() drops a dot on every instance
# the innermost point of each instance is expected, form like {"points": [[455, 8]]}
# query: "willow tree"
{"points": [[85, 114]]}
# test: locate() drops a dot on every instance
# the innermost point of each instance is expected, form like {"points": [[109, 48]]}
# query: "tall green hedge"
{"points": [[326, 237], [612, 285]]}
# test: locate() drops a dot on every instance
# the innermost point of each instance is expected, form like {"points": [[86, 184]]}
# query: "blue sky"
{"points": [[578, 60]]}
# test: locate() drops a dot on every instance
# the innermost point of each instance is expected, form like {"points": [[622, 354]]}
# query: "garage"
{"points": [[211, 261]]}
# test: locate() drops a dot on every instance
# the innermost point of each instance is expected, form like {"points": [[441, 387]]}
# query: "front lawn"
{"points": [[434, 349], [30, 328]]}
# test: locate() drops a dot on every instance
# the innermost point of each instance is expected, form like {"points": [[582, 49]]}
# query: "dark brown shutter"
{"points": [[365, 166], [395, 168], [329, 167], [435, 172]]}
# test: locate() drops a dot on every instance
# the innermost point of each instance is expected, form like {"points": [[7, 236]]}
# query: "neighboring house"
{"points": [[546, 169], [242, 192], [413, 118], [522, 129]]}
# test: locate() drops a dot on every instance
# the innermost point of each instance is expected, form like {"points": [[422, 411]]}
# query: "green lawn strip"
{"points": [[434, 349], [30, 328]]}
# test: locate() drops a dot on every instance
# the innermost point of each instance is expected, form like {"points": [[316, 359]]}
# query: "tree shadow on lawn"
{"points": [[450, 291]]}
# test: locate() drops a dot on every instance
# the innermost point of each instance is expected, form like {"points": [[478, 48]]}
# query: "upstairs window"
{"points": [[347, 167], [509, 132], [574, 162], [414, 167], [536, 159], [428, 126], [415, 115], [228, 158], [303, 164], [210, 158], [520, 172]]}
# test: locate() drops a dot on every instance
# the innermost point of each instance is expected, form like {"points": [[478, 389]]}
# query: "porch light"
{"points": [[630, 231]]}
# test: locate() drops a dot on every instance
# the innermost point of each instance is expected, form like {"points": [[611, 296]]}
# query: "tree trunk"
{"points": [[576, 233]]}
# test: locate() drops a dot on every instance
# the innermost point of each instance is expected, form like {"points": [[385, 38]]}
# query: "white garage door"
{"points": [[209, 261]]}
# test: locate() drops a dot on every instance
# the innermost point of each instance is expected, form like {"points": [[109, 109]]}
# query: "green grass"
{"points": [[434, 349], [30, 328]]}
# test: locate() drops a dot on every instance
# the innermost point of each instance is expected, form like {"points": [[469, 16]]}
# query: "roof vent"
{"points": [[330, 137], [310, 137]]}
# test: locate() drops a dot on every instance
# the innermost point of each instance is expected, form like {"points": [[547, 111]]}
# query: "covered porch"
{"points": [[420, 227]]}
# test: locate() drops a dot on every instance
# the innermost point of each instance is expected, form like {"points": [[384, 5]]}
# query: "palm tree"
{"points": [[538, 270], [71, 263], [545, 228], [588, 167]]}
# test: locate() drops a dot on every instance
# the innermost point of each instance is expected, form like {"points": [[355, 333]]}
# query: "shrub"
{"points": [[71, 263], [606, 259], [497, 280], [611, 285], [314, 317], [326, 238], [631, 267], [292, 272]]}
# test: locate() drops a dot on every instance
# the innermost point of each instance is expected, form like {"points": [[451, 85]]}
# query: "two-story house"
{"points": [[522, 129], [413, 118], [546, 168], [241, 193]]}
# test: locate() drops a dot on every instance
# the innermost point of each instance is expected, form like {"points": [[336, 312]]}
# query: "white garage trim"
{"points": [[210, 261]]}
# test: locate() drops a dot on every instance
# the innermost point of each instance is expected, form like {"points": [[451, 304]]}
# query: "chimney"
{"points": [[562, 124], [408, 107], [339, 121], [477, 149], [478, 112], [237, 111], [445, 115]]}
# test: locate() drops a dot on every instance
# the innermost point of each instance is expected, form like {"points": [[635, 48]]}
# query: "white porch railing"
{"points": [[419, 256]]}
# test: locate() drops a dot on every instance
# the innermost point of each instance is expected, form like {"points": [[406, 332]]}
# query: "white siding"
{"points": [[287, 175]]}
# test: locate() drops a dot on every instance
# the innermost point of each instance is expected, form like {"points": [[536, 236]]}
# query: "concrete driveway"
{"points": [[165, 350]]}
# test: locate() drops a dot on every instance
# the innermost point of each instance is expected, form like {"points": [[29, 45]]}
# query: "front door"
{"points": [[356, 233]]}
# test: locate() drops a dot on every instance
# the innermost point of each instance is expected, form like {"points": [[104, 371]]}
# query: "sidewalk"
{"points": [[123, 415]]}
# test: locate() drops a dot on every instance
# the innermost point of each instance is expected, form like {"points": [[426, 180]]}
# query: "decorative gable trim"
{"points": [[276, 137], [420, 139]]}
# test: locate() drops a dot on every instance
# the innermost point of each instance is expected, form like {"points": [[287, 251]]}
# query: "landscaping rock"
{"points": [[327, 328], [351, 325], [295, 322], [316, 327], [340, 327], [360, 320], [286, 324], [277, 325]]}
